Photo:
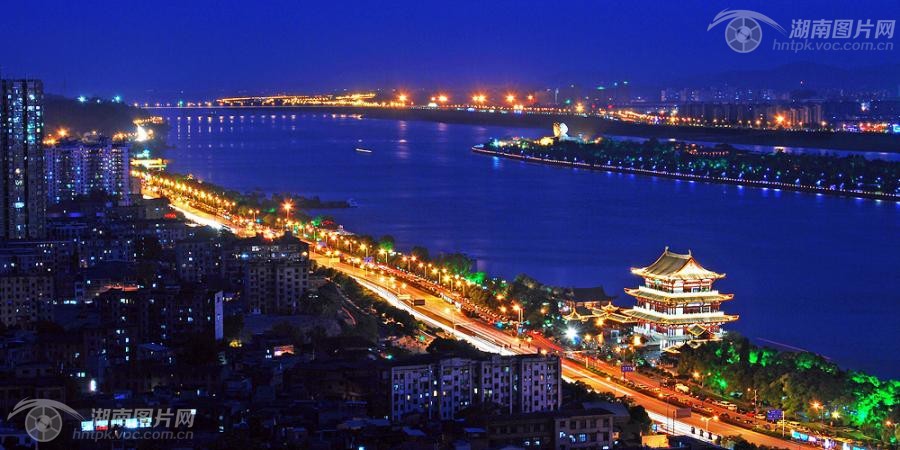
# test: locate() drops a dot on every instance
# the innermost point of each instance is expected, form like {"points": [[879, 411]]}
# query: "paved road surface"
{"points": [[438, 312]]}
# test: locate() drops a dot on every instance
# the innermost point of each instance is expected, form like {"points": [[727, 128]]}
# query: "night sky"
{"points": [[152, 49]]}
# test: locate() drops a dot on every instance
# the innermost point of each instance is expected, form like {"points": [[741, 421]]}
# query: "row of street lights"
{"points": [[477, 98]]}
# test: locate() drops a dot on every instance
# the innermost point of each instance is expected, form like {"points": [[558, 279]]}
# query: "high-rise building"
{"points": [[23, 203], [25, 299], [275, 273], [166, 315], [677, 302], [441, 389], [77, 167]]}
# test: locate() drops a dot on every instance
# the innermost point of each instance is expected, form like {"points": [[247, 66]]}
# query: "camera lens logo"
{"points": [[743, 35], [43, 421], [743, 32]]}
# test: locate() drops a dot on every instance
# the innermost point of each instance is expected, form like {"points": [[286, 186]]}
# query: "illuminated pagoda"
{"points": [[677, 303], [581, 304]]}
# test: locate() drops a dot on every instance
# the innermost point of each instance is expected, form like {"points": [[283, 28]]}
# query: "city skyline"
{"points": [[409, 225], [291, 47]]}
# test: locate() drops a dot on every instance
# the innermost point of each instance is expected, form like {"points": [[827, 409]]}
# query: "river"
{"points": [[809, 271]]}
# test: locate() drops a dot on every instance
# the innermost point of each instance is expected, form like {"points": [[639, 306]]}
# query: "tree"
{"points": [[638, 416], [454, 348], [421, 253], [386, 243]]}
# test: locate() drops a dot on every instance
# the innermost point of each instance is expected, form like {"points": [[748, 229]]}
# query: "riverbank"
{"points": [[480, 149], [385, 275], [594, 126], [422, 185]]}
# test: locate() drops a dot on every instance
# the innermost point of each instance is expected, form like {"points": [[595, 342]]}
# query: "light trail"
{"points": [[395, 301], [210, 222], [486, 338]]}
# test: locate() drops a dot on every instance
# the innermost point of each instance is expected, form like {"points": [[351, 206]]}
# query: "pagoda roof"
{"points": [[678, 320], [679, 299], [615, 314], [590, 294], [676, 266], [605, 312], [580, 313]]}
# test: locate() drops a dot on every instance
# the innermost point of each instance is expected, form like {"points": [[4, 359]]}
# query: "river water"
{"points": [[810, 271]]}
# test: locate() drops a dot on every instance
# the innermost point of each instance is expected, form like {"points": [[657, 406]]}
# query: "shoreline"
{"points": [[689, 177], [594, 125]]}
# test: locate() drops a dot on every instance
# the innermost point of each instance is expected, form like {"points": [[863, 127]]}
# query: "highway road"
{"points": [[437, 312]]}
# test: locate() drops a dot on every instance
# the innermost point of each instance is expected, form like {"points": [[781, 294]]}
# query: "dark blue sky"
{"points": [[149, 49]]}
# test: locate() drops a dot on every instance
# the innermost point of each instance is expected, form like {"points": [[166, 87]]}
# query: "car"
{"points": [[760, 416]]}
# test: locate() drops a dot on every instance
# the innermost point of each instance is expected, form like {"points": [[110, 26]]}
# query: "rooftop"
{"points": [[676, 266], [589, 294], [680, 298]]}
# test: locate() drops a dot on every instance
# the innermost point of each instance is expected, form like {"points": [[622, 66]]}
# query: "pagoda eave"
{"points": [[646, 317], [644, 273], [677, 298]]}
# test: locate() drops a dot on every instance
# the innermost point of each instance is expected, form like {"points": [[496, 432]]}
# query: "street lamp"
{"points": [[698, 376], [754, 390], [287, 206], [816, 406], [706, 420], [518, 309]]}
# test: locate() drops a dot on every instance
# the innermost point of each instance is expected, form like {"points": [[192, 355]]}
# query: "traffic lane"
{"points": [[651, 403], [541, 342], [438, 309], [574, 371]]}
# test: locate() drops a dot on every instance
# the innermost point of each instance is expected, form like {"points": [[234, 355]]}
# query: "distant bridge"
{"points": [[356, 99]]}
